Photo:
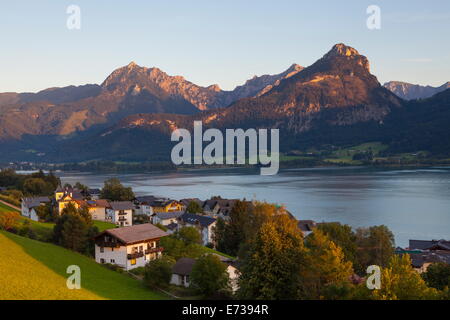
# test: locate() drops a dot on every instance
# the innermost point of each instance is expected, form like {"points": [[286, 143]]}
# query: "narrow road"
{"points": [[10, 205]]}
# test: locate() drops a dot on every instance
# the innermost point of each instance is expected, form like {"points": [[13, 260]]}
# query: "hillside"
{"points": [[19, 255]]}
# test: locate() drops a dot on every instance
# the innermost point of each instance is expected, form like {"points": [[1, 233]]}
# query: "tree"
{"points": [[189, 235], [114, 190], [323, 267], [37, 187], [209, 275], [177, 248], [74, 233], [83, 188], [399, 281], [375, 246], [158, 272], [270, 267], [437, 276], [74, 229], [194, 207], [9, 219], [344, 237], [44, 212]]}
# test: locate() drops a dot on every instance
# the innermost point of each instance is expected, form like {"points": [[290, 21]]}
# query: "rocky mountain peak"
{"points": [[341, 50]]}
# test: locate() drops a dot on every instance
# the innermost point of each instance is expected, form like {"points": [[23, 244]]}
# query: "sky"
{"points": [[216, 42]]}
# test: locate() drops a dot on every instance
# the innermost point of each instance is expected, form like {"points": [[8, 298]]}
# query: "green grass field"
{"points": [[45, 229], [36, 270], [345, 155]]}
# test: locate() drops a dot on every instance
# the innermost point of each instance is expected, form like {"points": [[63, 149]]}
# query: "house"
{"points": [[29, 205], [150, 205], [182, 270], [171, 228], [429, 245], [64, 196], [94, 194], [306, 226], [218, 207], [204, 224], [166, 205], [129, 247], [185, 203], [421, 261], [73, 193], [97, 209], [65, 200], [120, 213], [166, 218], [142, 205]]}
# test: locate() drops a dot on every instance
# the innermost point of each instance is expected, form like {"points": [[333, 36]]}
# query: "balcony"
{"points": [[135, 255], [108, 244], [154, 250]]}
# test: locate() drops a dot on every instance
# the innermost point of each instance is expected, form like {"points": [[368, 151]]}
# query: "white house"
{"points": [[181, 272], [120, 213], [182, 269], [143, 205], [166, 218], [29, 206], [204, 224], [129, 247]]}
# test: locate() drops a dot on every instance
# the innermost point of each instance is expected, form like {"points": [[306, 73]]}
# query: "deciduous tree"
{"points": [[209, 275]]}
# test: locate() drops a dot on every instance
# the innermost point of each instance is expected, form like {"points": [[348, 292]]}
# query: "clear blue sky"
{"points": [[209, 41]]}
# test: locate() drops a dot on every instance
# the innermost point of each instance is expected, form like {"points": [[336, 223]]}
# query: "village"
{"points": [[141, 223]]}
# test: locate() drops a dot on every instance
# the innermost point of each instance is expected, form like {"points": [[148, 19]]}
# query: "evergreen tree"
{"points": [[271, 267]]}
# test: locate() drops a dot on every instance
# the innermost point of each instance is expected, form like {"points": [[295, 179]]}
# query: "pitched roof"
{"points": [[136, 233], [306, 225], [191, 218], [429, 244], [146, 199], [172, 226], [418, 259], [94, 191], [101, 203], [168, 215], [183, 266], [121, 205], [34, 201]]}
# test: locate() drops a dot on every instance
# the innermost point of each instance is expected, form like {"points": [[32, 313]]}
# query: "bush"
{"points": [[158, 272], [209, 275], [139, 271], [114, 267]]}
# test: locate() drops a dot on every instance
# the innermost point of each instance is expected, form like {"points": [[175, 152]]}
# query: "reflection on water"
{"points": [[414, 204]]}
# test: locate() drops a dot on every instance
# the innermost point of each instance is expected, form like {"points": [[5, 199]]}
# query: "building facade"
{"points": [[129, 247]]}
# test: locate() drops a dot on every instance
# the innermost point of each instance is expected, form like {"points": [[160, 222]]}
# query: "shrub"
{"points": [[158, 272]]}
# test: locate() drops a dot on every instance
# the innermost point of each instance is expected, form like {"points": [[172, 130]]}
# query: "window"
{"points": [[102, 260], [133, 262], [102, 249], [113, 261]]}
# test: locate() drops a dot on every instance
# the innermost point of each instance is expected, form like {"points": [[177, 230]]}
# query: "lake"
{"points": [[413, 203]]}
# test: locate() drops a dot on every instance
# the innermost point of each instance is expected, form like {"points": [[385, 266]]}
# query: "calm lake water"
{"points": [[413, 203]]}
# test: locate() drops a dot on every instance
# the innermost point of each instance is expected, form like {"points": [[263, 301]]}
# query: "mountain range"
{"points": [[129, 117], [410, 91]]}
